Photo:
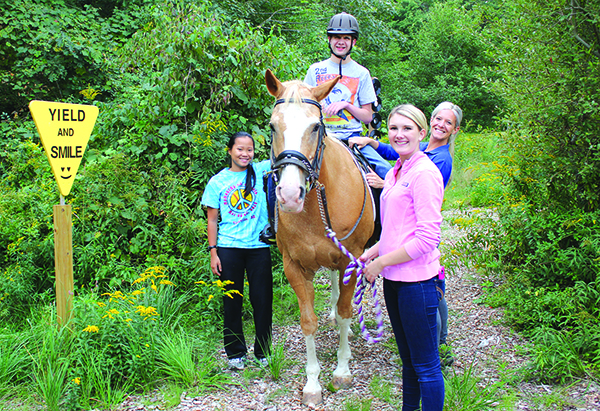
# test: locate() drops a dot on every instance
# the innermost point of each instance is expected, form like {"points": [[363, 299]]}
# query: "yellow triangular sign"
{"points": [[64, 130]]}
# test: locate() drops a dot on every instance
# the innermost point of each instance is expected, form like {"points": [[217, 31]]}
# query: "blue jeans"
{"points": [[442, 314], [412, 308]]}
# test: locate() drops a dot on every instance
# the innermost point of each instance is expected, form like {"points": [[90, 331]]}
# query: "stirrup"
{"points": [[267, 235]]}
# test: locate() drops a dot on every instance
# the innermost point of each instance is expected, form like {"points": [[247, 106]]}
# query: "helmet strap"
{"points": [[342, 58]]}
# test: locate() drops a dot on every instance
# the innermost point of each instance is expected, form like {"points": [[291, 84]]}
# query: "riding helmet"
{"points": [[343, 23]]}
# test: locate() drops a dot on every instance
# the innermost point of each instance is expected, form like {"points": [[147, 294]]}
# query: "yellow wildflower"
{"points": [[145, 311], [110, 313], [166, 282], [76, 380], [91, 329], [210, 297]]}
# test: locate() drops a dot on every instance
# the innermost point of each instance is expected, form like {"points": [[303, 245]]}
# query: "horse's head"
{"points": [[298, 136]]}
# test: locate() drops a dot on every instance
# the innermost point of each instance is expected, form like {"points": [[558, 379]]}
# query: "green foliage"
{"points": [[550, 53], [561, 356], [209, 74], [479, 171], [447, 61], [48, 53], [14, 359]]}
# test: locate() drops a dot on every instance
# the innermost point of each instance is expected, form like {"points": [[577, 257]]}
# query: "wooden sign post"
{"points": [[64, 130], [63, 262]]}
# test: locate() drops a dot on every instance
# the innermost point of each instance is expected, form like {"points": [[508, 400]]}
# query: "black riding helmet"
{"points": [[342, 23]]}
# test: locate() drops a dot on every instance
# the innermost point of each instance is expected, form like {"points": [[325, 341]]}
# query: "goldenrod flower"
{"points": [[145, 311], [110, 312], [166, 282], [91, 329]]}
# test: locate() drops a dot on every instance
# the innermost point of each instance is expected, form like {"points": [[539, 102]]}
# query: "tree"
{"points": [[448, 60], [550, 68]]}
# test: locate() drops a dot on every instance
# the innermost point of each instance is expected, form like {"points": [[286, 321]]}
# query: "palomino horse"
{"points": [[303, 158]]}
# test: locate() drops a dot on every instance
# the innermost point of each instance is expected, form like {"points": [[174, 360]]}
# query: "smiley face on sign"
{"points": [[63, 170], [64, 130]]}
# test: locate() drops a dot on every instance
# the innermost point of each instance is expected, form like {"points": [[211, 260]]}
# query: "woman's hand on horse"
{"points": [[374, 180], [359, 141]]}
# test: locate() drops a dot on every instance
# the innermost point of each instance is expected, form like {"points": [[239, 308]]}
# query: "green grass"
{"points": [[475, 179], [467, 392], [381, 387]]}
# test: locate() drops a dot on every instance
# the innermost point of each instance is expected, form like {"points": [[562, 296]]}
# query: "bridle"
{"points": [[293, 157]]}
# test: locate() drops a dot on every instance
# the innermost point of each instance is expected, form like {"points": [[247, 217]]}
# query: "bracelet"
{"points": [[210, 247]]}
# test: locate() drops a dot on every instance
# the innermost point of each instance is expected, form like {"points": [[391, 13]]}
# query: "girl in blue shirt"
{"points": [[236, 195]]}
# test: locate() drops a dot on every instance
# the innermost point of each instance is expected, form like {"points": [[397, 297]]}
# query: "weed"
{"points": [[277, 360], [466, 392]]}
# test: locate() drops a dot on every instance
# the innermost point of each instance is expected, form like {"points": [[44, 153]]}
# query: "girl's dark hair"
{"points": [[250, 175]]}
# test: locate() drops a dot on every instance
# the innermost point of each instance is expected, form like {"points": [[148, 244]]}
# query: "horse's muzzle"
{"points": [[290, 197]]}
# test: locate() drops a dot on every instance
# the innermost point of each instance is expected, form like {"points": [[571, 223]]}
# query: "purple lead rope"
{"points": [[361, 285]]}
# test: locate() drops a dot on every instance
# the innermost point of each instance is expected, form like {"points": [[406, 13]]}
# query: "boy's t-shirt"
{"points": [[355, 86], [242, 217]]}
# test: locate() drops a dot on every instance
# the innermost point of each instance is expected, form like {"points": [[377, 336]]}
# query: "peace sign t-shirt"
{"points": [[242, 216]]}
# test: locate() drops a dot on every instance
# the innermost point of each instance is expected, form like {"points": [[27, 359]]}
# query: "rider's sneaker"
{"points": [[267, 236]]}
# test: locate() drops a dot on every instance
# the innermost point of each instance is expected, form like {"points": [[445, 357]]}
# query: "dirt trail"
{"points": [[475, 334]]}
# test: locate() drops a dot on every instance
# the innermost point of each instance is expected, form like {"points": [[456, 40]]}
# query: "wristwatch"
{"points": [[210, 247]]}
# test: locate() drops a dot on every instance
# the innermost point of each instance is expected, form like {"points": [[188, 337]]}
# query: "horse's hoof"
{"points": [[341, 382], [311, 399]]}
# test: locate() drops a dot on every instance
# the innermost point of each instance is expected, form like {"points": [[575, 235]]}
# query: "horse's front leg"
{"points": [[342, 377], [303, 286]]}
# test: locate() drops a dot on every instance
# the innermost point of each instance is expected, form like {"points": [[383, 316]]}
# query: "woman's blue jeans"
{"points": [[412, 308]]}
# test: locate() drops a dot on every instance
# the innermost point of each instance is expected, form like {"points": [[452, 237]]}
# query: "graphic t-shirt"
{"points": [[355, 87], [242, 217]]}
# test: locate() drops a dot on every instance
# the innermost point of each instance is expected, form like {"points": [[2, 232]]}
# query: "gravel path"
{"points": [[476, 335]]}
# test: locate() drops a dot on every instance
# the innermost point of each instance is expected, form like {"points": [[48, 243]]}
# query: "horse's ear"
{"points": [[275, 87], [323, 90]]}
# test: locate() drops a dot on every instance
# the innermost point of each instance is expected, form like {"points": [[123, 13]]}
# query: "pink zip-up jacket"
{"points": [[411, 217]]}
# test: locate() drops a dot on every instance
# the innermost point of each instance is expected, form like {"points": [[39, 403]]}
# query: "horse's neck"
{"points": [[337, 164]]}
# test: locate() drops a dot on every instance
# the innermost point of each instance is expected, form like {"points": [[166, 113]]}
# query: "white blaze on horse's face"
{"points": [[297, 125]]}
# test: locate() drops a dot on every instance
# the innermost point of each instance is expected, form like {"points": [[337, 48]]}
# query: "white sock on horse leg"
{"points": [[313, 369], [344, 353]]}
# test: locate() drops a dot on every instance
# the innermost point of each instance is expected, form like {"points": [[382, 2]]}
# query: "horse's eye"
{"points": [[316, 128], [271, 126]]}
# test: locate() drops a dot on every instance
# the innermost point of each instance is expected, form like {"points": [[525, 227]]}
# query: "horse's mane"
{"points": [[295, 90]]}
